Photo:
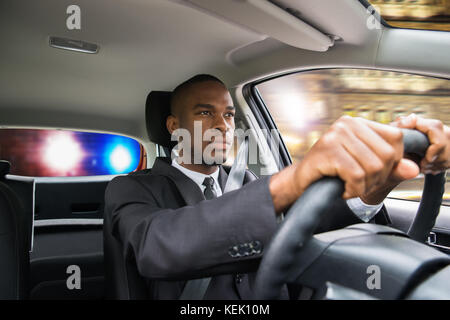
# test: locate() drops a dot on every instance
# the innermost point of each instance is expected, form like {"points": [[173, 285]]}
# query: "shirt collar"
{"points": [[197, 177]]}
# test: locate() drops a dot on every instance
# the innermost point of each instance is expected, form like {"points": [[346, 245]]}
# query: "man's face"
{"points": [[207, 103]]}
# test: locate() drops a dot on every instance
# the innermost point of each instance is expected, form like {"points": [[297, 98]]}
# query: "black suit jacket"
{"points": [[164, 222]]}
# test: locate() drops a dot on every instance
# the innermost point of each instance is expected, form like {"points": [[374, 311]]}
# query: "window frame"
{"points": [[366, 4], [265, 120]]}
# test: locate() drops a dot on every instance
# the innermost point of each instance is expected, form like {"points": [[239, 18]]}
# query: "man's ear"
{"points": [[172, 123]]}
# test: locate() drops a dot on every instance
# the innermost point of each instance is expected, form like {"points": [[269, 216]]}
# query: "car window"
{"points": [[64, 153], [414, 14], [304, 105]]}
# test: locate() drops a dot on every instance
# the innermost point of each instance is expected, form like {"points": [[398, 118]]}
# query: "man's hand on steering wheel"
{"points": [[366, 155], [437, 158]]}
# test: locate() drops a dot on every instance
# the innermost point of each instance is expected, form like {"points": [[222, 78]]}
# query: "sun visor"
{"points": [[268, 19]]}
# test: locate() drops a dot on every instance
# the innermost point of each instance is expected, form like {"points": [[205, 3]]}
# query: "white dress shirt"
{"points": [[362, 210], [198, 177]]}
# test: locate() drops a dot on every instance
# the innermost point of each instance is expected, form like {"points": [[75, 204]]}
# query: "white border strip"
{"points": [[33, 213], [75, 179], [68, 222]]}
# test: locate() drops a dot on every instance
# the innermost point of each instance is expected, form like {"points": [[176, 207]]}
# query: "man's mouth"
{"points": [[220, 145], [221, 142]]}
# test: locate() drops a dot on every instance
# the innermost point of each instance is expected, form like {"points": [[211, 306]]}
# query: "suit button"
{"points": [[238, 279], [255, 247], [243, 250], [233, 252]]}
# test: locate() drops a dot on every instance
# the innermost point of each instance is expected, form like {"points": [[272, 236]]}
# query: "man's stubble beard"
{"points": [[214, 158]]}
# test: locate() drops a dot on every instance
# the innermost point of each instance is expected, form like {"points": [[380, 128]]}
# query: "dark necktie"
{"points": [[209, 188]]}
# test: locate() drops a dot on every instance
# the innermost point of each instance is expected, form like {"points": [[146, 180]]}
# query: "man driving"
{"points": [[177, 222]]}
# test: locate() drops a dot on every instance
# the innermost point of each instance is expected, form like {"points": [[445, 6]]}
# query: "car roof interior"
{"points": [[154, 45]]}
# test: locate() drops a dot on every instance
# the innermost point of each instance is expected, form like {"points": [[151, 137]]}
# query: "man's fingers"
{"points": [[408, 122], [391, 134], [436, 157], [364, 154], [375, 169], [406, 169], [382, 139], [434, 167], [434, 152], [375, 147], [434, 129], [349, 170], [332, 159], [385, 141]]}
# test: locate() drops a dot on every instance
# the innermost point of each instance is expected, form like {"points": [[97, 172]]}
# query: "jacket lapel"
{"points": [[223, 176], [189, 190]]}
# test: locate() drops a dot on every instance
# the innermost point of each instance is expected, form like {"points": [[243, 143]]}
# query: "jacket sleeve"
{"points": [[224, 235]]}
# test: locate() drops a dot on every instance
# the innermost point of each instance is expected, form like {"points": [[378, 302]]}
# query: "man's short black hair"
{"points": [[178, 91]]}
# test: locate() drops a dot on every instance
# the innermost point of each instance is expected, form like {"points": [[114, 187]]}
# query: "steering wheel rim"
{"points": [[310, 208]]}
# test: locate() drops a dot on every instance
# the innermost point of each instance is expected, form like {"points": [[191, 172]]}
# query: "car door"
{"points": [[60, 177]]}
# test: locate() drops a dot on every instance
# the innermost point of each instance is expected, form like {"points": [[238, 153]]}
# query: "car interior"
{"points": [[114, 74]]}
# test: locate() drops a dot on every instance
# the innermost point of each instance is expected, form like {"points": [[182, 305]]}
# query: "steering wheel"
{"points": [[311, 207]]}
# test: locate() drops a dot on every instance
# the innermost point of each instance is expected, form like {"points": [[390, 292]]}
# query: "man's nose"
{"points": [[220, 123]]}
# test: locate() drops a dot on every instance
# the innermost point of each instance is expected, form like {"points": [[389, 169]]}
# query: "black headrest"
{"points": [[5, 166], [157, 109]]}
